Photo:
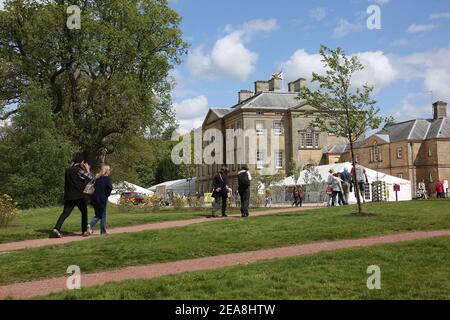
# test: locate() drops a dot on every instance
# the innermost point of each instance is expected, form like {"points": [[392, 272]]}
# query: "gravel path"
{"points": [[35, 243], [43, 287]]}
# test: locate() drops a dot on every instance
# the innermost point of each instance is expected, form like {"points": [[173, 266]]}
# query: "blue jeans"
{"points": [[100, 214]]}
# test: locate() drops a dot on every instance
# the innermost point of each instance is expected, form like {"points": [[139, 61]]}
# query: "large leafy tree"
{"points": [[106, 80], [341, 108], [33, 154]]}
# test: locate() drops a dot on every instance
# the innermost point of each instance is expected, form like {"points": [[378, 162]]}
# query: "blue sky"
{"points": [[233, 43]]}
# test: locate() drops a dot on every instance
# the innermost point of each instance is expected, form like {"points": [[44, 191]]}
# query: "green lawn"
{"points": [[37, 223], [227, 236], [410, 270]]}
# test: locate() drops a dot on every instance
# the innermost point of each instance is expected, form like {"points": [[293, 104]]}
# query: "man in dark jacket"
{"points": [[76, 179], [244, 179], [220, 191]]}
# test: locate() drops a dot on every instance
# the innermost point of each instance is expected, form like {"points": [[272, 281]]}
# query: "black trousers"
{"points": [[69, 205], [222, 201], [245, 201]]}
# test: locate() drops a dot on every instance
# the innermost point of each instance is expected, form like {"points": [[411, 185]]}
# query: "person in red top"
{"points": [[440, 189]]}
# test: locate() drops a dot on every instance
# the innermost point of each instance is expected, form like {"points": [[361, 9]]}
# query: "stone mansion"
{"points": [[269, 109]]}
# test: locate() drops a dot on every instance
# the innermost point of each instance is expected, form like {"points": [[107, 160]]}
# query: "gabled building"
{"points": [[265, 109], [413, 150]]}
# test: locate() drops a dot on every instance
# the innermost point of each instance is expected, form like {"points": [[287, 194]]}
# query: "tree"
{"points": [[106, 80], [33, 154], [312, 177], [340, 108], [294, 171]]}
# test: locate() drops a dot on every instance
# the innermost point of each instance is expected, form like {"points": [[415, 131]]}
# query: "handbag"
{"points": [[90, 188]]}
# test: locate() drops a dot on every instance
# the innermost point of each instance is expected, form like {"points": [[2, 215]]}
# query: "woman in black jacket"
{"points": [[103, 188]]}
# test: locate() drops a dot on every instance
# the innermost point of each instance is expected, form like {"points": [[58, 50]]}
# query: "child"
{"points": [[103, 188]]}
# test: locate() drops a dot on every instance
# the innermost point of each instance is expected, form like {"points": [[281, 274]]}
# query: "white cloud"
{"points": [[229, 56], [344, 27], [318, 14], [441, 15], [415, 28], [191, 112], [413, 106], [434, 68], [1, 4], [379, 70], [382, 2]]}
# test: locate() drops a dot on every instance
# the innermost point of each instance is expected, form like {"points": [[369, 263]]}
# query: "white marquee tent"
{"points": [[178, 187], [119, 188], [405, 185]]}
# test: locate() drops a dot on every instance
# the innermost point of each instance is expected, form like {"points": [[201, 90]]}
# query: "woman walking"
{"points": [[103, 188]]}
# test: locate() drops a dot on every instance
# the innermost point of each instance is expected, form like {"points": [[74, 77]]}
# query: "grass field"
{"points": [[227, 236], [37, 223], [410, 270]]}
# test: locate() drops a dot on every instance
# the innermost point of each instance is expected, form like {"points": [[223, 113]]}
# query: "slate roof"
{"points": [[221, 112], [270, 100], [337, 149], [418, 129]]}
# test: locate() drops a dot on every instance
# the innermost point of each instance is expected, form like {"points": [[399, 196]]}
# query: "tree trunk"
{"points": [[354, 177]]}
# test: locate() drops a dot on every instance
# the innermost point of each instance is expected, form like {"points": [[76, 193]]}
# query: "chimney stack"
{"points": [[439, 110], [244, 95], [295, 86], [275, 84], [261, 86]]}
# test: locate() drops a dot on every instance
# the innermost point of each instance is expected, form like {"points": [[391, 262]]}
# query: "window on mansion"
{"points": [[375, 153], [309, 139]]}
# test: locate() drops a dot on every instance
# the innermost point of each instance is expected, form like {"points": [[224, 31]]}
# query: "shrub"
{"points": [[8, 210], [179, 202], [126, 205], [197, 203], [256, 200], [151, 204]]}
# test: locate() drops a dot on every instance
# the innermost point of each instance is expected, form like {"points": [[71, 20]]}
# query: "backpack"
{"points": [[360, 176], [243, 180]]}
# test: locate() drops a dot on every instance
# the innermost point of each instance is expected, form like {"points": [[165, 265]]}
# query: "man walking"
{"points": [[361, 179], [244, 179], [220, 191], [76, 179]]}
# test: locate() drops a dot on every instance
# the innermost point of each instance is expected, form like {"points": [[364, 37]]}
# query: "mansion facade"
{"points": [[268, 109]]}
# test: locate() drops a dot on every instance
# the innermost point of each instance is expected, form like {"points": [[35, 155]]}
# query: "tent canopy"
{"points": [[323, 171], [177, 186], [125, 186]]}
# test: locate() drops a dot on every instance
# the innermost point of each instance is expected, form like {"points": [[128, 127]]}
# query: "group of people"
{"points": [[422, 190], [221, 191], [77, 177], [298, 195], [340, 184]]}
